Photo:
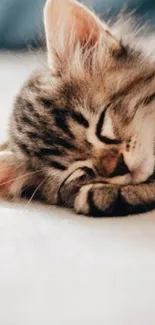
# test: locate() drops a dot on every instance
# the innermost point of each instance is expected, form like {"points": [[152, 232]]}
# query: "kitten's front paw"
{"points": [[137, 198], [96, 199], [101, 200]]}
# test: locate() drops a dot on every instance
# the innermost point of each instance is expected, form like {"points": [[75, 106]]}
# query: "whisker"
{"points": [[35, 191], [21, 176], [10, 165]]}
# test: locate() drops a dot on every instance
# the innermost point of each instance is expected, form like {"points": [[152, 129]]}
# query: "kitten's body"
{"points": [[83, 129]]}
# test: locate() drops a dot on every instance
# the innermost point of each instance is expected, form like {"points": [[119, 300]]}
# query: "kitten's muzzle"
{"points": [[110, 163], [121, 168]]}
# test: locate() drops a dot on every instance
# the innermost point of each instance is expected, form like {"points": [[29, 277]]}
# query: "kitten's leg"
{"points": [[91, 196], [97, 200], [138, 198], [105, 200], [88, 194]]}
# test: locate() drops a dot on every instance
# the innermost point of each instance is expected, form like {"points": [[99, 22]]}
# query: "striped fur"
{"points": [[82, 130]]}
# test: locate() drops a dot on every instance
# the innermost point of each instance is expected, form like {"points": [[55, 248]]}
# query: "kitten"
{"points": [[82, 131]]}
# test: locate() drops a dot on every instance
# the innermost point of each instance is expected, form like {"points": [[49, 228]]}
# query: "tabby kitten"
{"points": [[82, 131]]}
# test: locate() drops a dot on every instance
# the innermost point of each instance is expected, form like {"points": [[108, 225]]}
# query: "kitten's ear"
{"points": [[69, 24]]}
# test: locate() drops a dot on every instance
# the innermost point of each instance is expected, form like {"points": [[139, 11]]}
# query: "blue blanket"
{"points": [[21, 20]]}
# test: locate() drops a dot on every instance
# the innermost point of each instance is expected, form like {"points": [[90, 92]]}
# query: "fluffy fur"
{"points": [[82, 131]]}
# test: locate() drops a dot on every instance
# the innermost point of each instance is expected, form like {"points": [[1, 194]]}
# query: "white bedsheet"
{"points": [[57, 268]]}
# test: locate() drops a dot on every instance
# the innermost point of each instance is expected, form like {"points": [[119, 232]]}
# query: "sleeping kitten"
{"points": [[82, 131]]}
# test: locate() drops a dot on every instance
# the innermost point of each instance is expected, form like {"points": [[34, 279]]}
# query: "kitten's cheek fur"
{"points": [[140, 175], [144, 171]]}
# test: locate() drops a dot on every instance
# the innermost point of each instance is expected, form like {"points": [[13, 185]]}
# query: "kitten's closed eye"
{"points": [[110, 141], [104, 129]]}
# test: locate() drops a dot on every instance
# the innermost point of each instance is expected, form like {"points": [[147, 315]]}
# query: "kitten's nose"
{"points": [[121, 168]]}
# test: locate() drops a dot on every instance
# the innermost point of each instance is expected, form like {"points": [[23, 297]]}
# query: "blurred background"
{"points": [[21, 23]]}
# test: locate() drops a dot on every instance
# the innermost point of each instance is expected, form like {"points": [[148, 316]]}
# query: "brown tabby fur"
{"points": [[56, 132]]}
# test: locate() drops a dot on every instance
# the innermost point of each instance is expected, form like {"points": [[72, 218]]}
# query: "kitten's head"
{"points": [[93, 108], [110, 83]]}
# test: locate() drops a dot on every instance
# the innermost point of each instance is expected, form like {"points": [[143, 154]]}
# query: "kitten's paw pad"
{"points": [[96, 199]]}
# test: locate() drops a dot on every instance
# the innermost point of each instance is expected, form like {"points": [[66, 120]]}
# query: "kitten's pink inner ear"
{"points": [[87, 28]]}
